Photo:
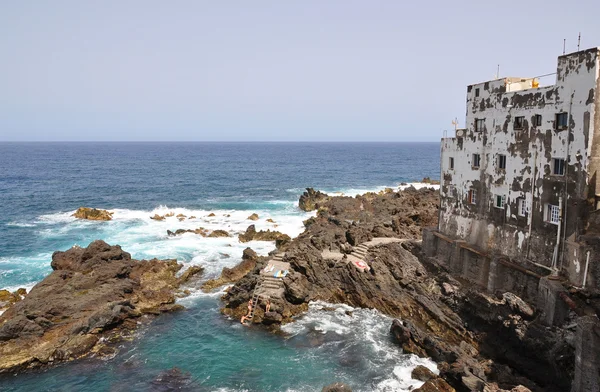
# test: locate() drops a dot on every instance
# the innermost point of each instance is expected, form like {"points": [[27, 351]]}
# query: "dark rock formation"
{"points": [[218, 234], [336, 387], [310, 200], [93, 293], [200, 231], [231, 275], [422, 373], [479, 341], [252, 235], [92, 214]]}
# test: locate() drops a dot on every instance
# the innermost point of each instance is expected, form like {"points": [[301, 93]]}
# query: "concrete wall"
{"points": [[529, 155]]}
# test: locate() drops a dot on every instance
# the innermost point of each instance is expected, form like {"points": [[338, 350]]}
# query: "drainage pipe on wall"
{"points": [[587, 263], [556, 247], [530, 214]]}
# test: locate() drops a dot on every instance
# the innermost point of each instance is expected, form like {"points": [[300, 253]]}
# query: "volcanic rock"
{"points": [[157, 217], [218, 233], [230, 275], [94, 295], [311, 199], [252, 235], [422, 373], [336, 387], [253, 217], [92, 214]]}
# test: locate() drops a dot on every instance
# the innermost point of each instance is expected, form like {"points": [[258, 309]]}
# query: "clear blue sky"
{"points": [[311, 70]]}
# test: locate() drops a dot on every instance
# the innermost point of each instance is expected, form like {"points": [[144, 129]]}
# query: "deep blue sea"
{"points": [[42, 184]]}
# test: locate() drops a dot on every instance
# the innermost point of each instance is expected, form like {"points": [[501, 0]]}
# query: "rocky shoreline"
{"points": [[94, 296], [481, 342], [363, 251]]}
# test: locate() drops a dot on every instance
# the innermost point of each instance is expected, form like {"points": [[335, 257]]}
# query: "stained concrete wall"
{"points": [[529, 155]]}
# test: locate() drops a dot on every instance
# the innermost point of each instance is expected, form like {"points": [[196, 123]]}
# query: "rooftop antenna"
{"points": [[498, 72], [578, 41], [455, 123], [564, 45]]}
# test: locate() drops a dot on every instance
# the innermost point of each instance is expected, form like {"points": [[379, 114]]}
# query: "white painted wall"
{"points": [[575, 78]]}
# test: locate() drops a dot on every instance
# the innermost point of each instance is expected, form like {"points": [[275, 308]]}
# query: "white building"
{"points": [[522, 178]]}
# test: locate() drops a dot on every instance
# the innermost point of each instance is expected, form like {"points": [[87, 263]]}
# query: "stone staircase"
{"points": [[268, 286], [360, 251]]}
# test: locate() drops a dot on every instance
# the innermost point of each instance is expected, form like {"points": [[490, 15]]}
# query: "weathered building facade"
{"points": [[520, 181]]}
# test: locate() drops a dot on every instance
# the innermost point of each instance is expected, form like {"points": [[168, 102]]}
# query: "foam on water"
{"points": [[354, 333]]}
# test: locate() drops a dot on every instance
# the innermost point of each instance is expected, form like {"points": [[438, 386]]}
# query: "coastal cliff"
{"points": [[94, 297], [365, 252]]}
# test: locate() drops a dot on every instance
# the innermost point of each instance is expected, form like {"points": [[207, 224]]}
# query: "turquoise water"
{"points": [[42, 184]]}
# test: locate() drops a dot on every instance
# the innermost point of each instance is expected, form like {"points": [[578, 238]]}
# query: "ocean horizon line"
{"points": [[205, 142]]}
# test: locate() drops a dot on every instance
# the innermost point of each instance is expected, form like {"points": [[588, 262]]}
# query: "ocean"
{"points": [[42, 184]]}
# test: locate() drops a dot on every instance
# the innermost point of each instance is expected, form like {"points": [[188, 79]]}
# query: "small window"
{"points": [[519, 122], [537, 120], [522, 209], [562, 120], [451, 163], [451, 191], [552, 214], [500, 201], [479, 124], [501, 161], [476, 92], [473, 196], [476, 162], [558, 167]]}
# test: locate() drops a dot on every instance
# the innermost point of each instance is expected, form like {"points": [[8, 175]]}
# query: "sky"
{"points": [[311, 70]]}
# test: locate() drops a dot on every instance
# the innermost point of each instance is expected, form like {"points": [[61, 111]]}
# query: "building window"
{"points": [[476, 161], [552, 214], [451, 191], [451, 163], [479, 124], [519, 122], [501, 161], [500, 201], [522, 209], [562, 120], [558, 167], [537, 120], [473, 196], [476, 92]]}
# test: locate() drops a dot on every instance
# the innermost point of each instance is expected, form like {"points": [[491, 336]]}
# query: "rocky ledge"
{"points": [[264, 235], [480, 342], [94, 296]]}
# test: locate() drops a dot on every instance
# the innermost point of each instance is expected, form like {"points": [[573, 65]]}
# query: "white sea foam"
{"points": [[361, 191], [20, 224], [146, 238], [365, 335]]}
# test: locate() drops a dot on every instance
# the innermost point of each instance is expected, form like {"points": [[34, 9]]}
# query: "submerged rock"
{"points": [[336, 387], [94, 295], [218, 233], [92, 214]]}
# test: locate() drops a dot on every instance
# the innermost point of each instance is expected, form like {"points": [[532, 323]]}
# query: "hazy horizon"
{"points": [[269, 71]]}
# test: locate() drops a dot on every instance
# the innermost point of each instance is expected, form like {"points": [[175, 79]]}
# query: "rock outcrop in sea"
{"points": [[365, 251], [92, 214], [94, 296]]}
